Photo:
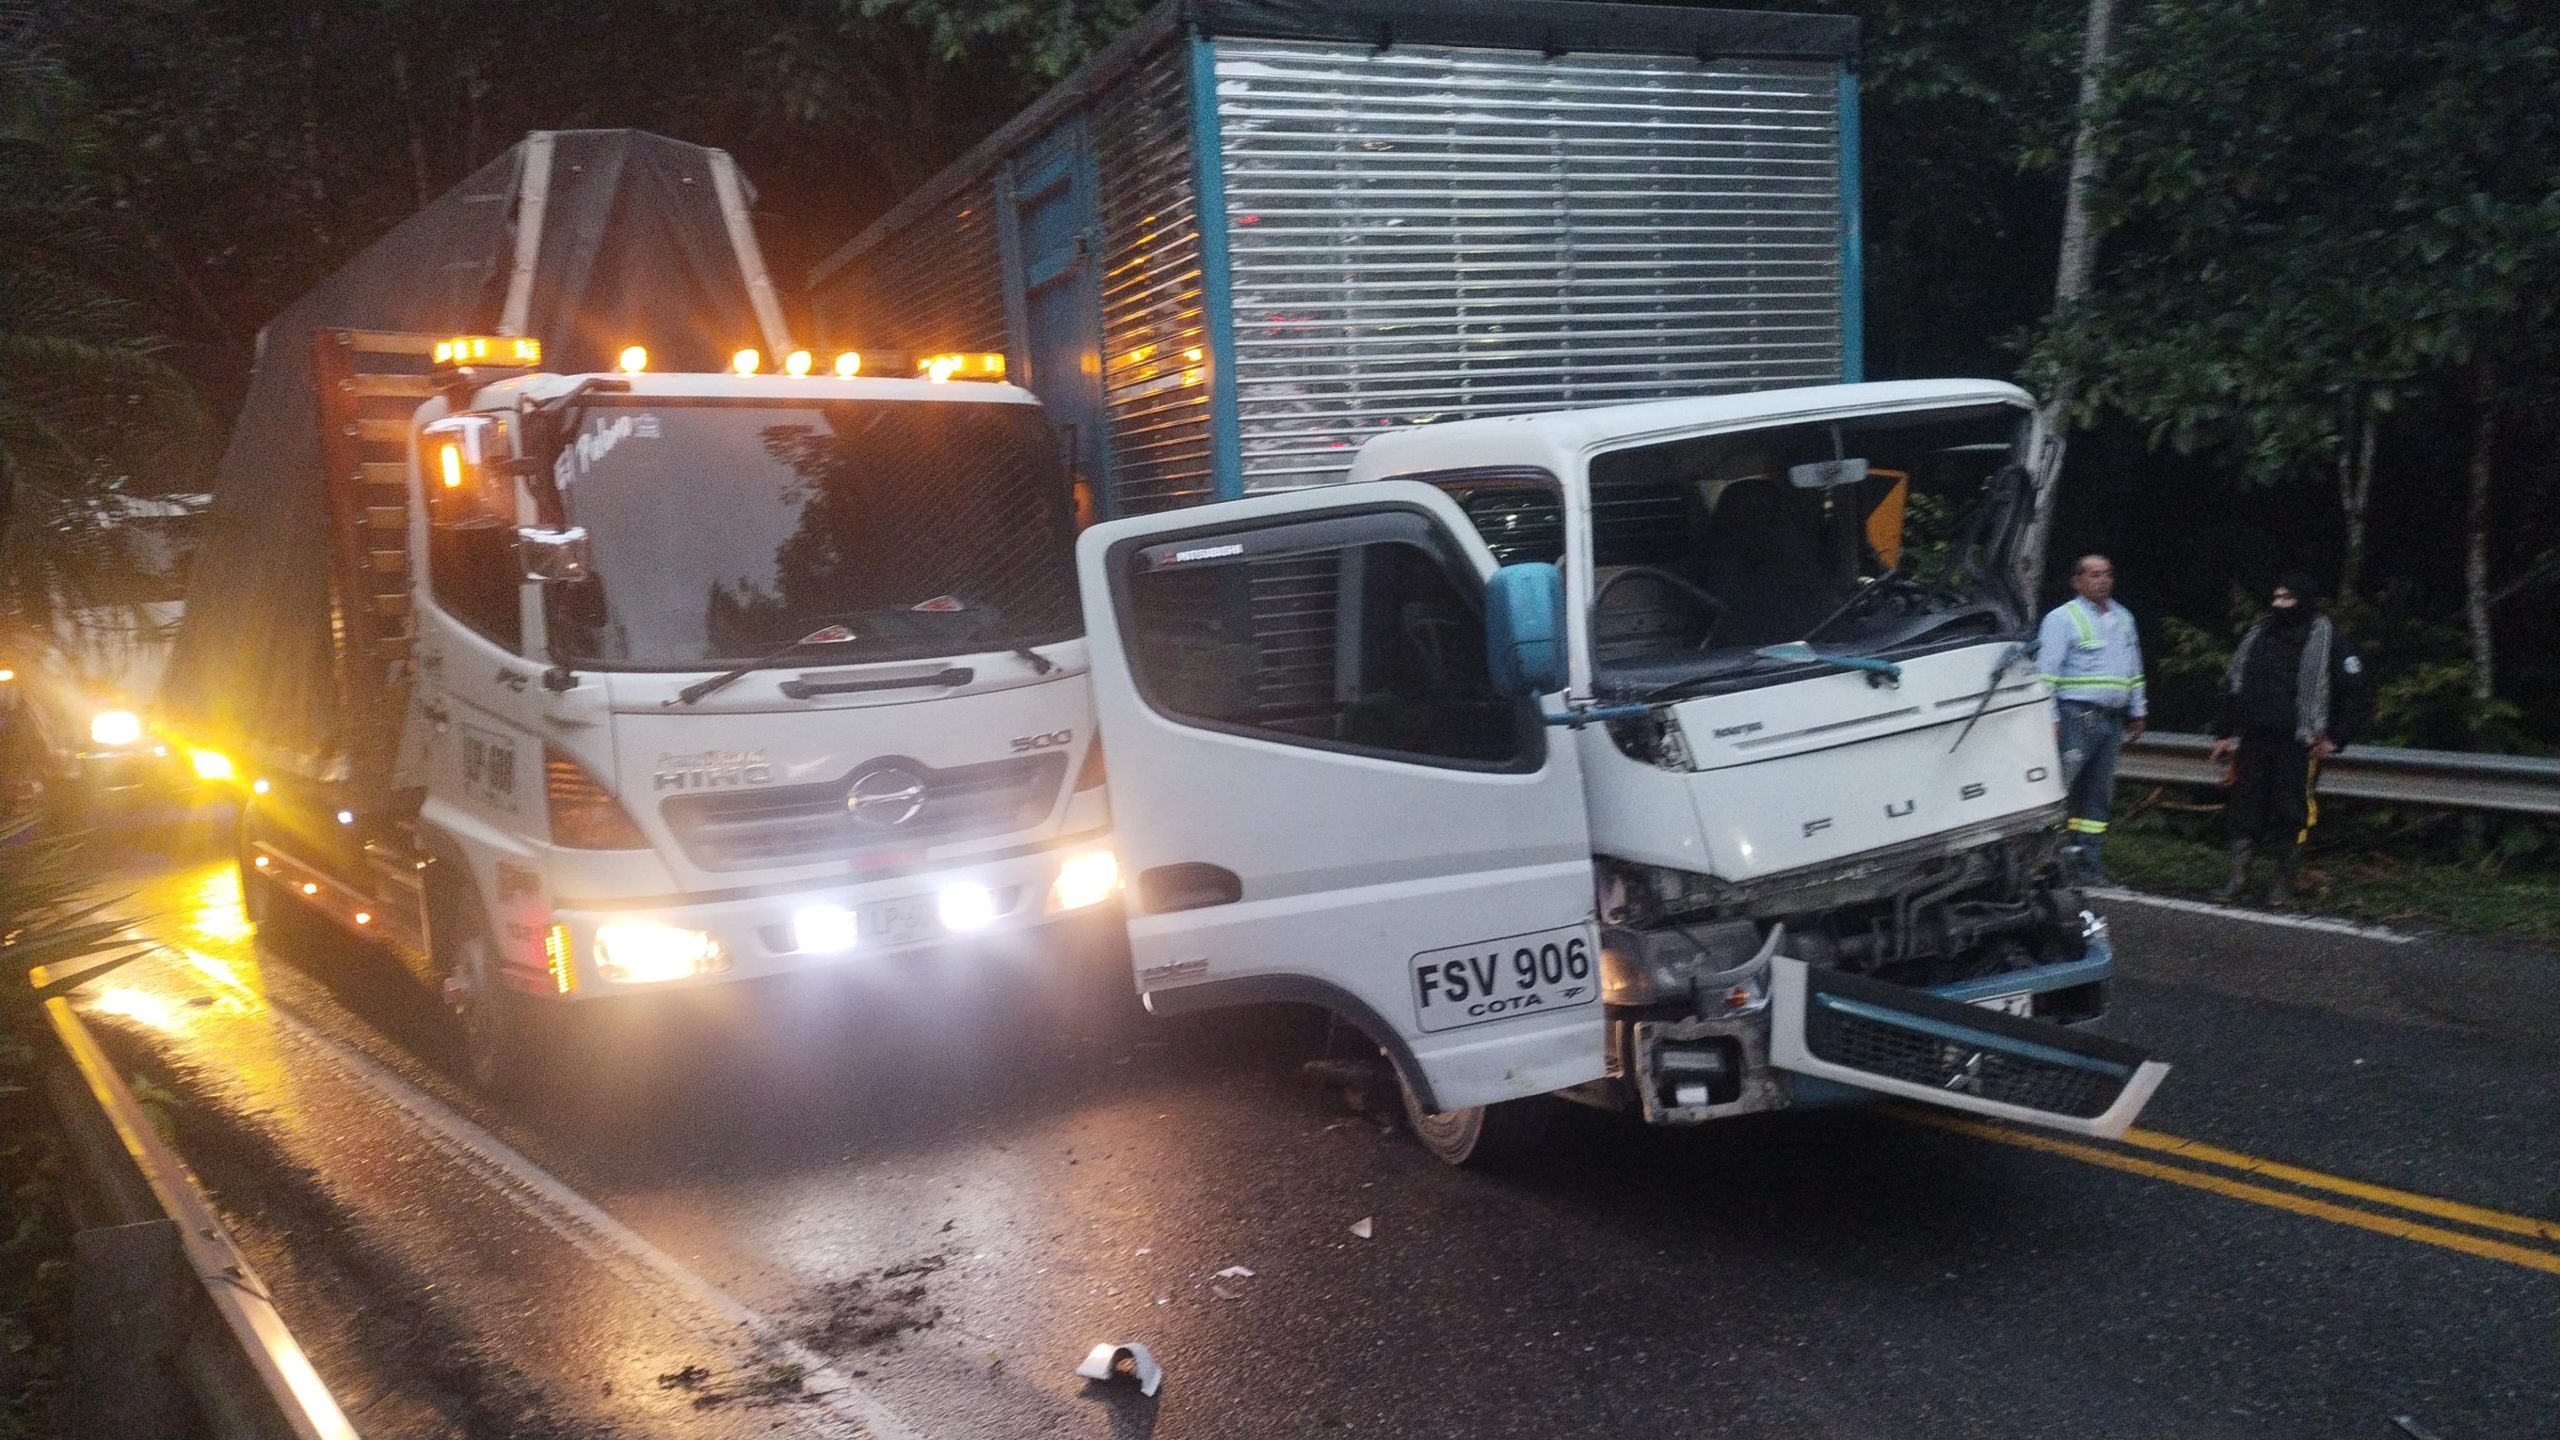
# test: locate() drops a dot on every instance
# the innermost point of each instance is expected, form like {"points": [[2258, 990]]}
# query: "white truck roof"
{"points": [[1558, 439]]}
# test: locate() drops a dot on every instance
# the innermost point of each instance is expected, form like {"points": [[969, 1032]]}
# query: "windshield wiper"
{"points": [[830, 635]]}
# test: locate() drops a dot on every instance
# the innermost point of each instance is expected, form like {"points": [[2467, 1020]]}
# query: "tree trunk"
{"points": [[2355, 490], [2071, 280], [2475, 560]]}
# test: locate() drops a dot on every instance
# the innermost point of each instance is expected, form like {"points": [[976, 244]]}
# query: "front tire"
{"points": [[1480, 1137], [501, 1053]]}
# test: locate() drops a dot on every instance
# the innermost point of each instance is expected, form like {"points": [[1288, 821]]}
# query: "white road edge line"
{"points": [[576, 1218], [2256, 917]]}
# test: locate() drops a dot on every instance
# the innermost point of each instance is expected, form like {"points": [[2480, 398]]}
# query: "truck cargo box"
{"points": [[1254, 233], [294, 650]]}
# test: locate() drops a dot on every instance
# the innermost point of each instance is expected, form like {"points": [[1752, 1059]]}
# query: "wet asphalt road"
{"points": [[1032, 1187]]}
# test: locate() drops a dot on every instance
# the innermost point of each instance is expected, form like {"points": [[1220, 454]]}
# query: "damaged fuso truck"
{"points": [[1515, 627], [569, 630]]}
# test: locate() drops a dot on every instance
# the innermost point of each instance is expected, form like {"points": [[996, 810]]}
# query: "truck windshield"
{"points": [[721, 530], [1880, 535]]}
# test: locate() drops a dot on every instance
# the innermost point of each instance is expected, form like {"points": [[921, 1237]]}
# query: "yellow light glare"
{"points": [[555, 954], [7, 675], [211, 764], [644, 952], [511, 350], [747, 362], [310, 889], [972, 365], [1084, 879], [260, 786], [796, 363], [152, 1010], [635, 358], [115, 728], [849, 364], [262, 862], [364, 917], [451, 459]]}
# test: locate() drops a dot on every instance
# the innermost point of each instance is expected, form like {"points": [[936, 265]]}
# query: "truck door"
{"points": [[1319, 797]]}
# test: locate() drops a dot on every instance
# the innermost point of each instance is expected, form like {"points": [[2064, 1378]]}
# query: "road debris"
{"points": [[1126, 1361], [1225, 1293], [867, 1310], [2409, 1423], [1365, 1226], [1235, 1272]]}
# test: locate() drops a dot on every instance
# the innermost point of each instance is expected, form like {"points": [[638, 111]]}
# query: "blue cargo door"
{"points": [[1047, 228]]}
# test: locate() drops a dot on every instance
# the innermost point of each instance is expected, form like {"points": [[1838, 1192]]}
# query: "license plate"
{"points": [[894, 922], [2021, 1002], [1498, 979]]}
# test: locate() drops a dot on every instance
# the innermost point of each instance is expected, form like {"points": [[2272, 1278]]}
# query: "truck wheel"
{"points": [[499, 1049], [1480, 1137]]}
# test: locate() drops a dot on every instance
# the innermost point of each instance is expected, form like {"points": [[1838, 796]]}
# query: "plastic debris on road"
{"points": [[1235, 1272], [1365, 1226], [1128, 1360]]}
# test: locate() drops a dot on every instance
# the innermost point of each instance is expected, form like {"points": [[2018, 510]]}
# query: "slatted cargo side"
{"points": [[932, 285], [1155, 336], [1435, 232]]}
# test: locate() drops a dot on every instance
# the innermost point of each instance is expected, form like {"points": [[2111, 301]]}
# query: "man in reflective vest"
{"points": [[2091, 657]]}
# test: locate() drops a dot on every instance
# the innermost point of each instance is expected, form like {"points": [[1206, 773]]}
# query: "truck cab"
{"points": [[711, 678], [1684, 757]]}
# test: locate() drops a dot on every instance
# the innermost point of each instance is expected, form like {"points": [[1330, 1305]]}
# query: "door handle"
{"points": [[1190, 885]]}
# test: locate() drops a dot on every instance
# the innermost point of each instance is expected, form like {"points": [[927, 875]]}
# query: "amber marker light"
{"points": [[796, 363], [747, 362], [848, 364], [634, 359], [451, 459]]}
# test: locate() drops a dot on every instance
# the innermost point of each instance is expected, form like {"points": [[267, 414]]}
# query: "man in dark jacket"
{"points": [[2294, 696]]}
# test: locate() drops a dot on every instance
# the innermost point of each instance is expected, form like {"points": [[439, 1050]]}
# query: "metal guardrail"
{"points": [[2452, 779], [168, 1315]]}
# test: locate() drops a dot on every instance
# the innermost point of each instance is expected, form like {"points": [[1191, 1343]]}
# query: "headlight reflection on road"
{"points": [[152, 1010]]}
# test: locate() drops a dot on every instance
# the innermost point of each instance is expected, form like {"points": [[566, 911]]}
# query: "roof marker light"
{"points": [[635, 358], [849, 364], [796, 363], [747, 362]]}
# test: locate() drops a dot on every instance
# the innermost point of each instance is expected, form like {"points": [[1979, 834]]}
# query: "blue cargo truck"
{"points": [[1651, 721]]}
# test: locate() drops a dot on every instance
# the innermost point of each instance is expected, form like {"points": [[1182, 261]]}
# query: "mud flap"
{"points": [[1884, 1038]]}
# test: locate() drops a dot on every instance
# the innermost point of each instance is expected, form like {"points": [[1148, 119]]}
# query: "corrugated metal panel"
{"points": [[935, 285], [1154, 344], [1430, 232]]}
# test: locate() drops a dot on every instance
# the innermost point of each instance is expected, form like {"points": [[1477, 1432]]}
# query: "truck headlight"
{"points": [[824, 930], [115, 728], [967, 905], [1085, 878], [644, 952]]}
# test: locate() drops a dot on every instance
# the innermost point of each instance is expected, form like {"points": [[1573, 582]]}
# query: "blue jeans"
{"points": [[2092, 736]]}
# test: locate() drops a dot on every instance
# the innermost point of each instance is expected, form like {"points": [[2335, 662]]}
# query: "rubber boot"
{"points": [[2280, 891], [2239, 881]]}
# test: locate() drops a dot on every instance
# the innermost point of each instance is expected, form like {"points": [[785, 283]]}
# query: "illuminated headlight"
{"points": [[823, 930], [211, 764], [643, 952], [967, 905], [115, 727], [1087, 877]]}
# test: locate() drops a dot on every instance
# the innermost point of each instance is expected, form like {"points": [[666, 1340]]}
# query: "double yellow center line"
{"points": [[2199, 1154]]}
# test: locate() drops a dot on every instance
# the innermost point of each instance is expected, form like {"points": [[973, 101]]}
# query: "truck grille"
{"points": [[799, 824], [1879, 1042]]}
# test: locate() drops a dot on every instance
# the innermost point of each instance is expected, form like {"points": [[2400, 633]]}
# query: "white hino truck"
{"points": [[567, 629], [1516, 628]]}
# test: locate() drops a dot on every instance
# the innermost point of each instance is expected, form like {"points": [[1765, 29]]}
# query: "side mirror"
{"points": [[1524, 629], [550, 556], [1826, 474]]}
